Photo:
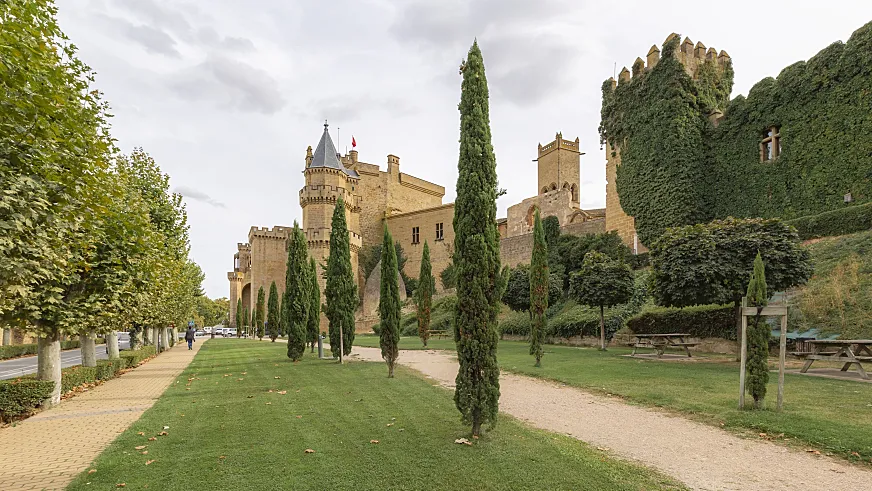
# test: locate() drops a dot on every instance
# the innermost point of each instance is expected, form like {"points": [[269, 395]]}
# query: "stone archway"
{"points": [[531, 215]]}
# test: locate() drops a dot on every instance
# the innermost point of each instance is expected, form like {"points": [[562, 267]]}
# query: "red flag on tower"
{"points": [[353, 142]]}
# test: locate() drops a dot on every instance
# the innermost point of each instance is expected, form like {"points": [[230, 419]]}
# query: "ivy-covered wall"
{"points": [[679, 168], [824, 110], [659, 120]]}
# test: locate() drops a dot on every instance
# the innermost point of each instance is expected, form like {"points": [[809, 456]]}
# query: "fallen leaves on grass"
{"points": [[91, 471], [299, 417], [268, 403], [373, 441], [121, 485], [811, 450], [141, 433], [140, 447], [151, 438], [277, 377], [463, 441], [145, 452], [163, 433], [309, 450], [283, 392], [390, 424], [149, 462], [222, 457]]}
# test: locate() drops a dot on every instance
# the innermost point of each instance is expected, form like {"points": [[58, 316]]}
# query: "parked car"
{"points": [[219, 331], [199, 332], [230, 333]]}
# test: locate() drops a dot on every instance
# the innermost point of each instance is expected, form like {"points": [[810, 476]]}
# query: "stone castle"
{"points": [[413, 211]]}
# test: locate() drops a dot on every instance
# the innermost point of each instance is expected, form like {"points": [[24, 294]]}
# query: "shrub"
{"points": [[16, 350], [701, 321], [107, 369], [133, 358], [837, 222], [515, 323], [73, 377], [20, 397]]}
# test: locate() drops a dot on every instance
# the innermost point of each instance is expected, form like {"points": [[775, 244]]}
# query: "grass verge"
{"points": [[832, 416], [226, 430]]}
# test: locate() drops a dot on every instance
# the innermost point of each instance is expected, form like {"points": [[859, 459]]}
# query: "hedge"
{"points": [[837, 222], [19, 397], [16, 350], [701, 321]]}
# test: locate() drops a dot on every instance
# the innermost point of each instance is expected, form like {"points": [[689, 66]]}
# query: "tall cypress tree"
{"points": [[476, 253], [341, 290], [283, 317], [238, 319], [424, 295], [758, 335], [297, 294], [314, 304], [538, 290], [389, 304], [246, 318], [272, 313], [259, 313]]}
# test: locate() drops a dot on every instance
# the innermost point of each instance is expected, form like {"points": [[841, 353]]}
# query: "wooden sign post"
{"points": [[777, 306]]}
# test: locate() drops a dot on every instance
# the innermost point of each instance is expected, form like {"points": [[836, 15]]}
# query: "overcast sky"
{"points": [[227, 94]]}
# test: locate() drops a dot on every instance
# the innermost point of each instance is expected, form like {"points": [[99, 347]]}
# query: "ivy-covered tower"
{"points": [[655, 138], [326, 180]]}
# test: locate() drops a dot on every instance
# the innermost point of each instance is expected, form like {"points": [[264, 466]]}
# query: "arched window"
{"points": [[554, 186], [545, 190], [531, 215], [566, 186], [574, 190]]}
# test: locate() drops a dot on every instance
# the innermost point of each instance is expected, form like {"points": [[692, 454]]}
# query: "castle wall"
{"points": [[519, 249], [553, 203], [559, 164], [616, 219], [269, 260], [400, 227]]}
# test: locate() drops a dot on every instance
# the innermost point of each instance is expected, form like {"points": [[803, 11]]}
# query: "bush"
{"points": [[133, 358], [701, 321], [107, 369], [19, 397], [73, 377], [837, 222], [515, 323]]}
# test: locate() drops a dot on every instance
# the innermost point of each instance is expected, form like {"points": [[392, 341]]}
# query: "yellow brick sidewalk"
{"points": [[49, 449]]}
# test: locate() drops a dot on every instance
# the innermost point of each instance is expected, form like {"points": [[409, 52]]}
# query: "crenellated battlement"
{"points": [[277, 232], [320, 237], [691, 56], [325, 193], [243, 246]]}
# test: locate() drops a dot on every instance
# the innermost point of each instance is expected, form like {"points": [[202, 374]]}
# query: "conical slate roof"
{"points": [[325, 155]]}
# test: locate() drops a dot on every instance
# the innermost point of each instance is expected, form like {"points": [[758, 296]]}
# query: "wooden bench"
{"points": [[437, 333], [660, 342]]}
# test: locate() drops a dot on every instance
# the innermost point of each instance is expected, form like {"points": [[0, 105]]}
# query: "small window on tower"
{"points": [[439, 231], [770, 147], [416, 235]]}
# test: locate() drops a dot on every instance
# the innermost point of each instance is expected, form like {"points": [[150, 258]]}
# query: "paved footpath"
{"points": [[48, 450]]}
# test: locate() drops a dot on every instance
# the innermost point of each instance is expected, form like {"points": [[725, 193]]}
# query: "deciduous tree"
{"points": [[476, 253], [602, 282]]}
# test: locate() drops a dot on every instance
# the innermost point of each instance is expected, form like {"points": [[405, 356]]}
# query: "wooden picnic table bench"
{"points": [[849, 351], [660, 342], [437, 333]]}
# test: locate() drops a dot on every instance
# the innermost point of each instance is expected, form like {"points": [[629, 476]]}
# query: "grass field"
{"points": [[830, 415], [226, 430]]}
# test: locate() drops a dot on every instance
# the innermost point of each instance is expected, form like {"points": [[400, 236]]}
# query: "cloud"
{"points": [[209, 37], [198, 196], [154, 40], [350, 108], [230, 83], [237, 44], [160, 17]]}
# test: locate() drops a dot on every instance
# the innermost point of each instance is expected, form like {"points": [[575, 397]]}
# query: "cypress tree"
{"points": [[259, 313], [476, 254], [283, 317], [389, 304], [757, 367], [297, 294], [238, 324], [314, 304], [272, 313], [341, 290], [538, 290], [246, 318], [424, 295]]}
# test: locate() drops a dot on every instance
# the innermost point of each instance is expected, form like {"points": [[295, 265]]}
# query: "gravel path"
{"points": [[701, 456]]}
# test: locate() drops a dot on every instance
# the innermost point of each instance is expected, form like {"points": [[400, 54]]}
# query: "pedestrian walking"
{"points": [[189, 337]]}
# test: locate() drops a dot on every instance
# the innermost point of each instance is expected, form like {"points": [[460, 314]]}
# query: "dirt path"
{"points": [[701, 456]]}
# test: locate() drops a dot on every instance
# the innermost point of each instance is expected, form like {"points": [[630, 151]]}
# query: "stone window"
{"points": [[416, 235], [440, 231], [574, 190], [770, 147]]}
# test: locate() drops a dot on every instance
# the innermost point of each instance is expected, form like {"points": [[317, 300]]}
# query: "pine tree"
{"points": [[259, 313], [272, 313], [297, 294], [424, 295], [538, 290], [341, 290], [314, 304], [389, 304], [758, 336], [239, 312], [476, 254]]}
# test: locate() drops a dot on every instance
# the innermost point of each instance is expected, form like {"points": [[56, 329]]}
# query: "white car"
{"points": [[229, 333]]}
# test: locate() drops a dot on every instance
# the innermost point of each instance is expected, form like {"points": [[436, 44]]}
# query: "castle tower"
{"points": [[326, 180], [559, 167]]}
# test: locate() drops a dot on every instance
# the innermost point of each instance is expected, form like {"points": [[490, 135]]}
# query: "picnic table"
{"points": [[849, 351], [659, 342]]}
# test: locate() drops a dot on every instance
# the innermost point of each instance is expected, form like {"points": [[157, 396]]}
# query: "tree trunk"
{"points": [[7, 337], [602, 328], [112, 345], [48, 366], [390, 370], [137, 339], [165, 339], [88, 346], [476, 425], [738, 315]]}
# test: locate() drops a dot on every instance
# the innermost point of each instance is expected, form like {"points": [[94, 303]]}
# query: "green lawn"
{"points": [[830, 415], [227, 433]]}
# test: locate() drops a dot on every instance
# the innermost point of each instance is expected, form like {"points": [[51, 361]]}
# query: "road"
{"points": [[23, 366]]}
